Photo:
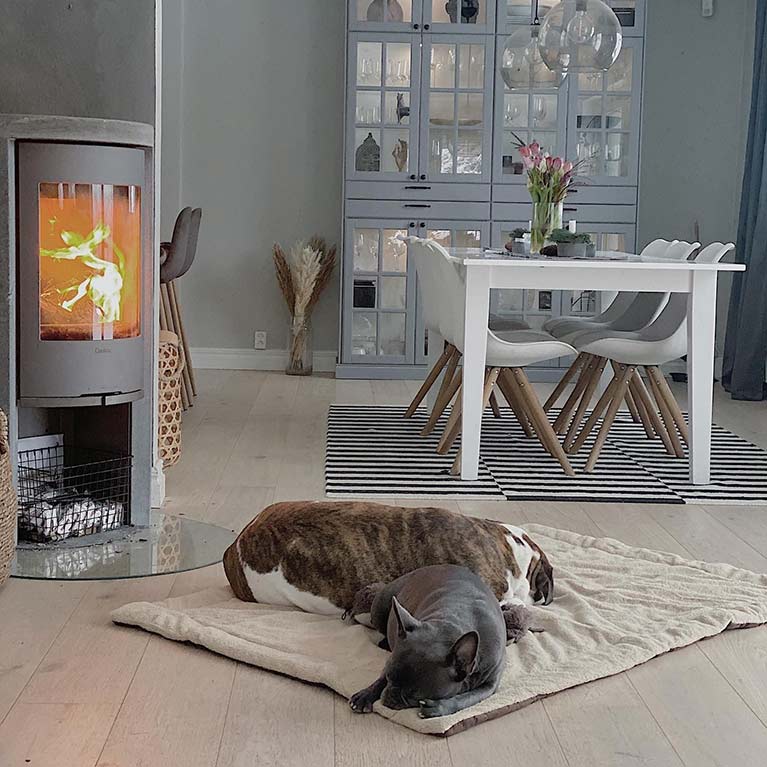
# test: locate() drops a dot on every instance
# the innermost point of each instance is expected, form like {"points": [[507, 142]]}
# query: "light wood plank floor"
{"points": [[77, 691]]}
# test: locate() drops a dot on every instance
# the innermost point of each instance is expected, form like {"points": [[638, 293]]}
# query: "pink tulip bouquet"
{"points": [[549, 179]]}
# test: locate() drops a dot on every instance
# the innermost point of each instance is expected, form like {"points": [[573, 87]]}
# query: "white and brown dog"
{"points": [[318, 555]]}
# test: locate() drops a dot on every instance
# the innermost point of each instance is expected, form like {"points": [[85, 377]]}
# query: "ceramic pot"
{"points": [[385, 10], [469, 11], [368, 155]]}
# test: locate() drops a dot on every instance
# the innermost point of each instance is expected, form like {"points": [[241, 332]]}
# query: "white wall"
{"points": [[260, 128], [695, 122], [253, 127]]}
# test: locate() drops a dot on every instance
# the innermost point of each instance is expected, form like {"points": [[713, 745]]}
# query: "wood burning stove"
{"points": [[81, 218]]}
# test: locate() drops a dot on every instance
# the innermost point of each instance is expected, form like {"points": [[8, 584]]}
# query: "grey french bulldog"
{"points": [[447, 636]]}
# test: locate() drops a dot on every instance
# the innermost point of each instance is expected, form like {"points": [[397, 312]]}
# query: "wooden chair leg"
{"points": [[656, 374], [182, 334], [631, 405], [186, 383], [561, 421], [641, 393], [540, 421], [596, 414], [453, 425], [429, 382], [668, 419], [166, 323], [450, 385], [566, 378], [619, 392], [598, 365], [490, 380], [507, 386], [644, 418], [494, 405]]}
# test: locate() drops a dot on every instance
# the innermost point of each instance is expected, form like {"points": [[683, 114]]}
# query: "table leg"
{"points": [[475, 348], [701, 327], [436, 347]]}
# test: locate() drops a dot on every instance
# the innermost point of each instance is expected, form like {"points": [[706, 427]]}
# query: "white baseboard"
{"points": [[251, 359]]}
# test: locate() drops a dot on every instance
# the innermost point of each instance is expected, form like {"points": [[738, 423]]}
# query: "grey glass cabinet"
{"points": [[429, 151]]}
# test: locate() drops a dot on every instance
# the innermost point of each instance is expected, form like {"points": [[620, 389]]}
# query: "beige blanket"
{"points": [[615, 607]]}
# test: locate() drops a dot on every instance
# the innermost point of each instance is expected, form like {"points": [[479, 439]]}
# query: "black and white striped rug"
{"points": [[372, 451]]}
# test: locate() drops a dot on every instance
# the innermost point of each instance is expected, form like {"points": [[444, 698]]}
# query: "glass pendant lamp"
{"points": [[522, 66], [580, 36]]}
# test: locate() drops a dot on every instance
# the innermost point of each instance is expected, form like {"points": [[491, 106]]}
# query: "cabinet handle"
{"points": [[411, 225], [423, 177], [572, 191], [422, 225], [413, 177], [416, 26], [417, 205], [427, 26], [420, 188], [570, 209]]}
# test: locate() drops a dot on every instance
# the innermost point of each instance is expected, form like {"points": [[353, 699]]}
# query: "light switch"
{"points": [[707, 8]]}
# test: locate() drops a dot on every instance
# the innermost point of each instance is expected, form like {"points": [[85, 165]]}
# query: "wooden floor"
{"points": [[76, 690]]}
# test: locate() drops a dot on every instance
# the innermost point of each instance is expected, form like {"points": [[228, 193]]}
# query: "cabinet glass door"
{"points": [[449, 234], [533, 114], [385, 15], [514, 12], [603, 129], [630, 13], [463, 16], [532, 306], [379, 293], [457, 108], [382, 119], [620, 237]]}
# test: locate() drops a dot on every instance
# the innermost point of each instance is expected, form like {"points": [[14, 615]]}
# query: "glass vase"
{"points": [[547, 216], [300, 354]]}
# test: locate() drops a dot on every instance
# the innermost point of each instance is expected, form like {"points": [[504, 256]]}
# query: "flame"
{"points": [[104, 289]]}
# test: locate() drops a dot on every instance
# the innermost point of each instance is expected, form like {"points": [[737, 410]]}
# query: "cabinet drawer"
{"points": [[598, 214], [430, 209], [417, 190], [588, 194]]}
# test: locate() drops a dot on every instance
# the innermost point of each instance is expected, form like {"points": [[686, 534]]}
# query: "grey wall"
{"points": [[695, 120], [260, 128], [260, 136], [86, 58]]}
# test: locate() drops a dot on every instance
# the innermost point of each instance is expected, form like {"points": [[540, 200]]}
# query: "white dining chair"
{"points": [[640, 312], [508, 353], [562, 326], [450, 357], [664, 340]]}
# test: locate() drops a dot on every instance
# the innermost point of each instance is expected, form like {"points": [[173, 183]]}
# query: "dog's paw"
{"points": [[362, 702], [428, 709]]}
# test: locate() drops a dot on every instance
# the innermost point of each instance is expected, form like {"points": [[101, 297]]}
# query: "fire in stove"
{"points": [[90, 240]]}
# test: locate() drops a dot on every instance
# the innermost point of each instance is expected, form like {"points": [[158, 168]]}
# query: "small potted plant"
{"points": [[570, 244], [516, 234]]}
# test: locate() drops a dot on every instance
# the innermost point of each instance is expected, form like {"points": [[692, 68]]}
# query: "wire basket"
{"points": [[67, 491]]}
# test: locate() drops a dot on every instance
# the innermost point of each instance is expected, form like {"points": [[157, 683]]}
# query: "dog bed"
{"points": [[615, 607]]}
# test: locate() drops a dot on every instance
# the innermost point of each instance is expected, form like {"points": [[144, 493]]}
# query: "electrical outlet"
{"points": [[260, 339], [707, 8]]}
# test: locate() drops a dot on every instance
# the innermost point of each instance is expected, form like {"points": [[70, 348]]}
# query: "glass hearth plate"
{"points": [[171, 544]]}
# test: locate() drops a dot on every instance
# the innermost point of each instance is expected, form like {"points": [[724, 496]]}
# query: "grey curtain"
{"points": [[745, 347]]}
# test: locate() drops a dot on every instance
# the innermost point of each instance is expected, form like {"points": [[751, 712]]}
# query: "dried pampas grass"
{"points": [[302, 276]]}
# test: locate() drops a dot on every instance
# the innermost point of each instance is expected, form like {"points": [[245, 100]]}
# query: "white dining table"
{"points": [[607, 271]]}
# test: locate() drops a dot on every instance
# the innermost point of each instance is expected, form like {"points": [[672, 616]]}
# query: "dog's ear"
{"points": [[463, 655], [405, 621]]}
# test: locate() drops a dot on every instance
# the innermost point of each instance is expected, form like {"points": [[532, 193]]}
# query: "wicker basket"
{"points": [[8, 505], [169, 397]]}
